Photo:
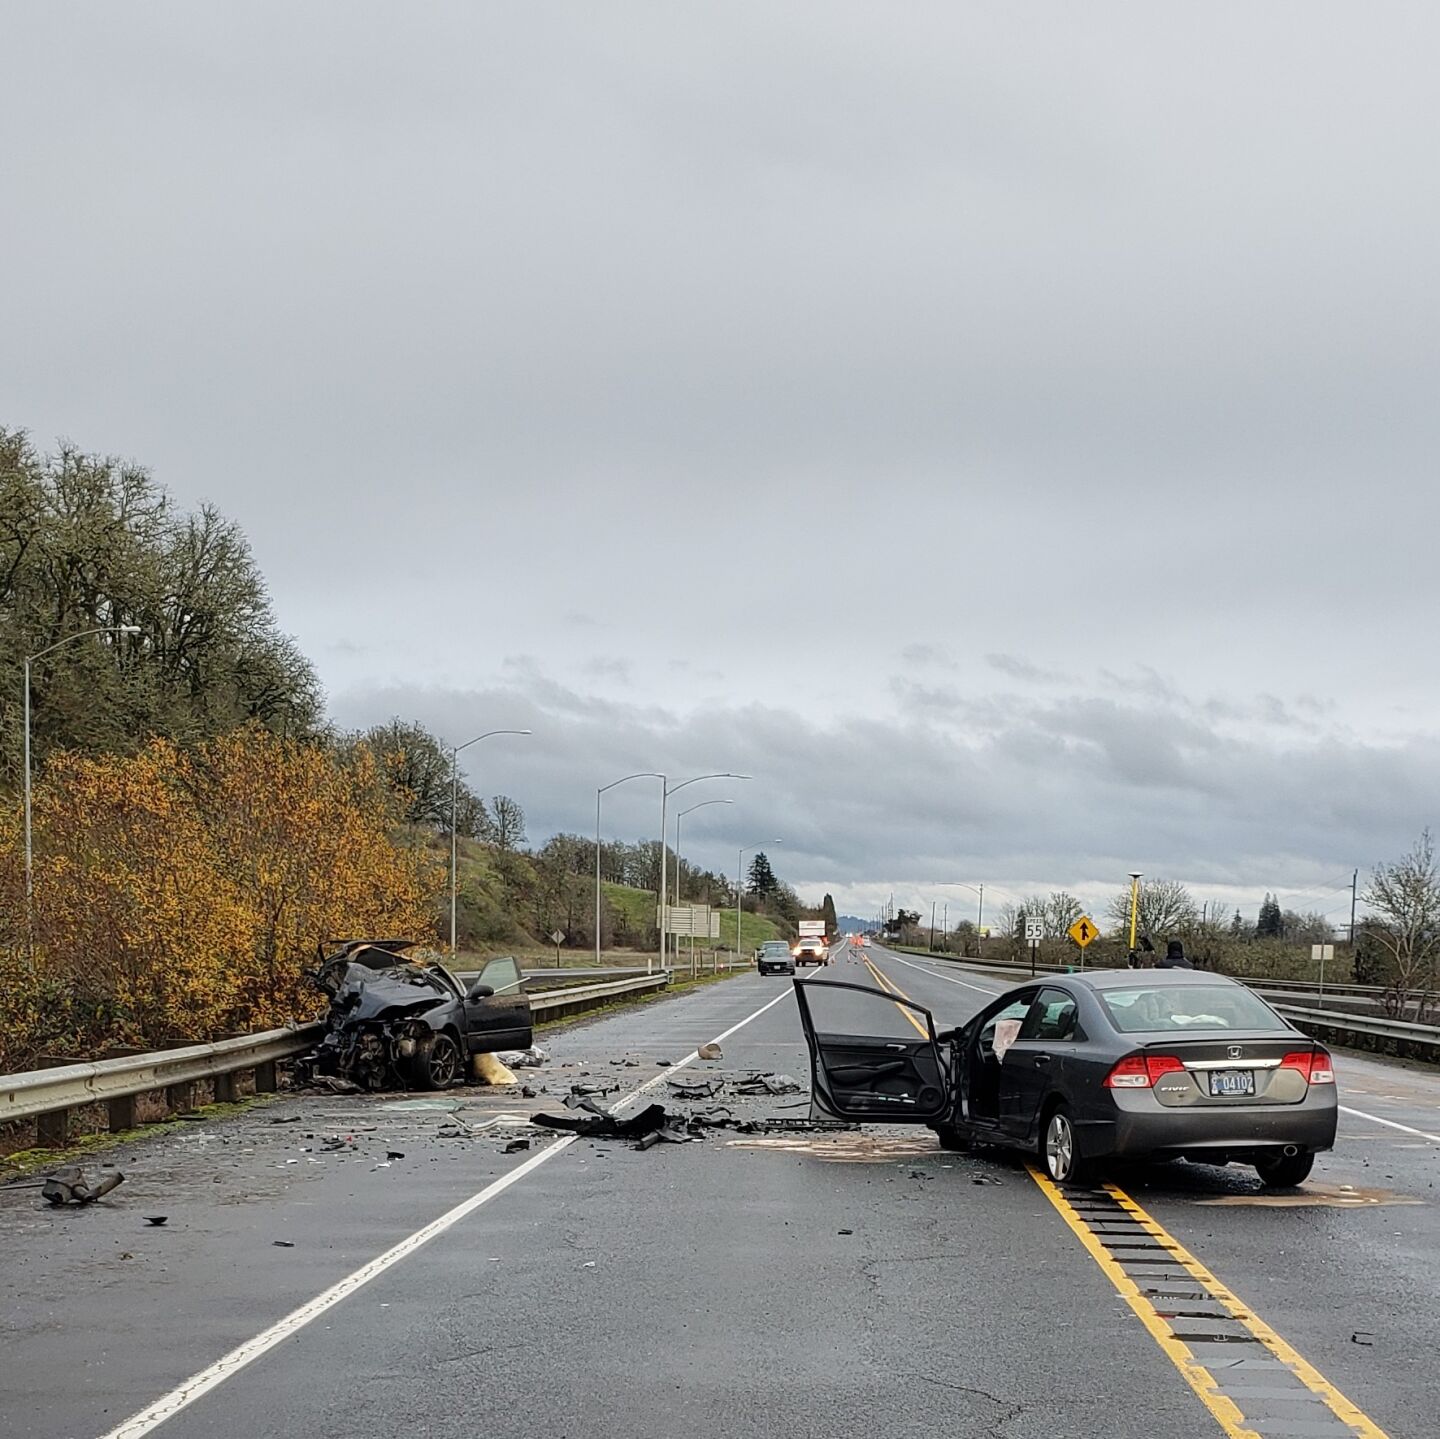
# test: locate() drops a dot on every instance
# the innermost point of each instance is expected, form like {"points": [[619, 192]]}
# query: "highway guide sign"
{"points": [[1083, 931]]}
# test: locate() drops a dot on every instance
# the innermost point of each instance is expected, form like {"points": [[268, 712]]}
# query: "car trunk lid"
{"points": [[1219, 1070]]}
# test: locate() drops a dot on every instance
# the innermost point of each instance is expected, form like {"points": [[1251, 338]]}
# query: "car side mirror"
{"points": [[481, 991]]}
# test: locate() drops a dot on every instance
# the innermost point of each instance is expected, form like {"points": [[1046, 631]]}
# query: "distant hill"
{"points": [[850, 925]]}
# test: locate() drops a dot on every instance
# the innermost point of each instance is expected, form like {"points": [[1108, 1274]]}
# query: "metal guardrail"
{"points": [[49, 1095], [555, 1003], [1403, 1034], [41, 1092]]}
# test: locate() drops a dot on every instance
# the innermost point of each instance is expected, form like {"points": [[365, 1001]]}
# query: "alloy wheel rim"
{"points": [[1059, 1147], [442, 1066]]}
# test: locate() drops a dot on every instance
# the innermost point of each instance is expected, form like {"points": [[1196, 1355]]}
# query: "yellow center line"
{"points": [[1227, 1414], [1342, 1408], [1207, 1388], [895, 989]]}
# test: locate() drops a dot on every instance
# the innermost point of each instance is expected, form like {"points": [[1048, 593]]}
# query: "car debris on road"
{"points": [[69, 1186]]}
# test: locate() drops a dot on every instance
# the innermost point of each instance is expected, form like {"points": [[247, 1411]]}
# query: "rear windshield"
{"points": [[1190, 1006]]}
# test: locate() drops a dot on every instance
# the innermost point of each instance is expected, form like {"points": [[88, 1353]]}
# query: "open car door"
{"points": [[872, 1055]]}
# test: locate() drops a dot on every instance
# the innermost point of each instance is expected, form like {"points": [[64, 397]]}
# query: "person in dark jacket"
{"points": [[1174, 957]]}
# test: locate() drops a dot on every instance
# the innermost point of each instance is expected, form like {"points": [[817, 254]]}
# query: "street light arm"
{"points": [[640, 774], [80, 635], [673, 788], [702, 805], [455, 749]]}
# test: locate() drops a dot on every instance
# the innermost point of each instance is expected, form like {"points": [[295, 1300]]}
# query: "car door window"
{"points": [[1051, 1017], [502, 975]]}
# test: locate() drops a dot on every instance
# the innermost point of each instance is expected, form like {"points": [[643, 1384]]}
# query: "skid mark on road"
{"points": [[848, 1148], [1316, 1196], [1252, 1382]]}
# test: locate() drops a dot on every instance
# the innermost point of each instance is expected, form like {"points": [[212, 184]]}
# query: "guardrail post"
{"points": [[180, 1096], [52, 1131], [122, 1113], [265, 1077], [226, 1088]]}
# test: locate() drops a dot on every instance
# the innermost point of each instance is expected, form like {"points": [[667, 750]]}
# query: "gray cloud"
{"points": [[1021, 669], [1022, 795]]}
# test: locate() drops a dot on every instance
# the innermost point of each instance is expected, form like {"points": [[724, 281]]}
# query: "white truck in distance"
{"points": [[810, 948]]}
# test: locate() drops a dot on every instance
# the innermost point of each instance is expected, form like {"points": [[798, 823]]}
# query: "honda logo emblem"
{"points": [[1235, 1051]]}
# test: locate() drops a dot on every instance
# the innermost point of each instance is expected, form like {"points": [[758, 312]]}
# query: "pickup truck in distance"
{"points": [[810, 950]]}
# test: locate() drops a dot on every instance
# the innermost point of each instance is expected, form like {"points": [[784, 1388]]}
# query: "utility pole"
{"points": [[1354, 894], [932, 926]]}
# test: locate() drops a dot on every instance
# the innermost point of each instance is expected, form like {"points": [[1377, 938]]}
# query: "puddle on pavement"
{"points": [[844, 1148], [1316, 1196]]}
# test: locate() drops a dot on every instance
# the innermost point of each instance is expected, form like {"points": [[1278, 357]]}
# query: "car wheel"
{"points": [[440, 1068], [1060, 1149], [1285, 1171], [952, 1138]]}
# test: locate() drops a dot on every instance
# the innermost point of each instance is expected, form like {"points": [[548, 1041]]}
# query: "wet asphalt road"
{"points": [[796, 1284]]}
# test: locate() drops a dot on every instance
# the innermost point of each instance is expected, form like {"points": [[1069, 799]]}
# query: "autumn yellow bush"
{"points": [[178, 895]]}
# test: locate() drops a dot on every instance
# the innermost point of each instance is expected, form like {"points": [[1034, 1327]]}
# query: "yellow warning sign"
{"points": [[1083, 931]]}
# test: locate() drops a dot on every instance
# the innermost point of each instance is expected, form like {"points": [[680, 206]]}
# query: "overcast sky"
{"points": [[1006, 432]]}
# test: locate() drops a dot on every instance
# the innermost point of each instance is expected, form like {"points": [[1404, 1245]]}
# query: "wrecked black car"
{"points": [[400, 1019]]}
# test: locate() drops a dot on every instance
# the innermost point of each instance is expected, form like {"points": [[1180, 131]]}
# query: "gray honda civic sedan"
{"points": [[1080, 1068]]}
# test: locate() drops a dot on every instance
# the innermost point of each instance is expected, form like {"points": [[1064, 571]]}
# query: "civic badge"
{"points": [[1235, 1051]]}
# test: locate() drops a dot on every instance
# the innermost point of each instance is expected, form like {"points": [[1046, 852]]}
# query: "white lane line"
{"points": [[948, 978], [183, 1395], [1390, 1123]]}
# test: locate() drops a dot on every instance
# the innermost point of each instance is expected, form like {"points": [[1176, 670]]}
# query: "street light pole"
{"points": [[666, 790], [1135, 878], [678, 818], [29, 660], [980, 912], [454, 825], [643, 774], [740, 884]]}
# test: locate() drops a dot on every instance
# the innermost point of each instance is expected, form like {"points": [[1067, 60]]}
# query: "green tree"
{"points": [[1166, 908], [761, 881], [1405, 897], [418, 768], [89, 542], [832, 921], [1271, 923], [508, 821]]}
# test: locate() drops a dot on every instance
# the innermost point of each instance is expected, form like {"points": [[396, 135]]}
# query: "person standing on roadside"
{"points": [[1174, 957]]}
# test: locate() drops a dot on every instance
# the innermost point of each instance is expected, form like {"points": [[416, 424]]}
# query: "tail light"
{"points": [[1315, 1064], [1141, 1071]]}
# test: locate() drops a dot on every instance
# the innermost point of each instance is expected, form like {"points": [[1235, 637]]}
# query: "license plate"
{"points": [[1227, 1082]]}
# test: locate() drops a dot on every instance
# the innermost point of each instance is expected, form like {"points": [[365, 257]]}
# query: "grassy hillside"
{"points": [[638, 907]]}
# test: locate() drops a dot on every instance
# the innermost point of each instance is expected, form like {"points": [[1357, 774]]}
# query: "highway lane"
{"points": [[703, 1288]]}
